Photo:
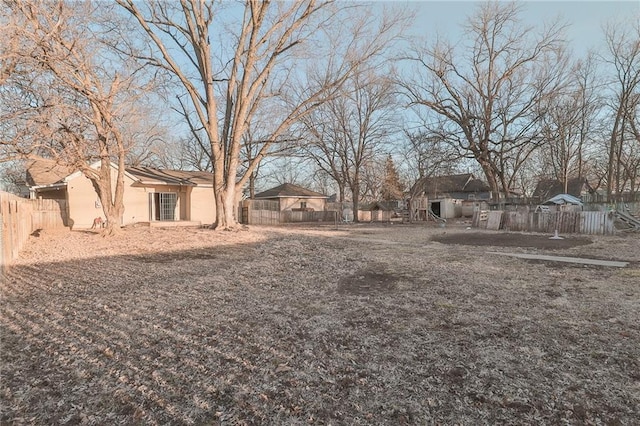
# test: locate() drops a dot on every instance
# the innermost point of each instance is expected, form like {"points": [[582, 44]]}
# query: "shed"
{"points": [[443, 196], [376, 212]]}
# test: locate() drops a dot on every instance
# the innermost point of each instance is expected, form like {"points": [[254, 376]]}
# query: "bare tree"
{"points": [[569, 124], [9, 45], [429, 154], [227, 89], [72, 97], [346, 134], [624, 58], [13, 177], [489, 93]]}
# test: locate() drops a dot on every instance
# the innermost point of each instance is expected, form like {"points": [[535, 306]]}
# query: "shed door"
{"points": [[435, 208]]}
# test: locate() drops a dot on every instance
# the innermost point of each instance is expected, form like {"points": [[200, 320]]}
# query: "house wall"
{"points": [[84, 204], [468, 207], [137, 202], [193, 203], [317, 204], [203, 207]]}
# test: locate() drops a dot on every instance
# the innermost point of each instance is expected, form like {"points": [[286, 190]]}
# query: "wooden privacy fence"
{"points": [[595, 223], [20, 217], [270, 217], [267, 212]]}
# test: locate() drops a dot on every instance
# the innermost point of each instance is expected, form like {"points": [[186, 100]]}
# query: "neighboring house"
{"points": [[292, 197], [447, 196], [150, 195], [548, 188]]}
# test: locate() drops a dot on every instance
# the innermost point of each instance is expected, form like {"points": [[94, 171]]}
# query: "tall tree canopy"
{"points": [[623, 58], [236, 62], [345, 134], [67, 96], [483, 94]]}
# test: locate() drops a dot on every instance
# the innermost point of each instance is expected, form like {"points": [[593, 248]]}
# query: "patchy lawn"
{"points": [[360, 325]]}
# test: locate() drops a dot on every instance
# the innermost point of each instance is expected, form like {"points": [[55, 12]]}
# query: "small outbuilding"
{"points": [[292, 197], [445, 196], [376, 212]]}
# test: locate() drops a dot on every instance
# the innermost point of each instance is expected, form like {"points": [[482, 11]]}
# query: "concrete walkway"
{"points": [[579, 260]]}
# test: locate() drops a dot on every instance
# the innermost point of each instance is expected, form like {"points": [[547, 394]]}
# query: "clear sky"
{"points": [[585, 17]]}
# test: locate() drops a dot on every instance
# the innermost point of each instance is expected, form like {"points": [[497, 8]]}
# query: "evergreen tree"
{"points": [[392, 188]]}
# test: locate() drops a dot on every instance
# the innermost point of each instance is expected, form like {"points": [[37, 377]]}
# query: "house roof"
{"points": [[150, 176], [476, 185], [289, 190], [42, 171], [450, 183], [547, 188]]}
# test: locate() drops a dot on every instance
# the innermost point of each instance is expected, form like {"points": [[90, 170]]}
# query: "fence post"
{"points": [[2, 259]]}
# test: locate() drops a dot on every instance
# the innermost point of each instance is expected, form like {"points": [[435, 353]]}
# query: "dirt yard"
{"points": [[395, 324]]}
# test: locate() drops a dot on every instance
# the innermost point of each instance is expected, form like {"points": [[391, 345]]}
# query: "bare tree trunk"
{"points": [[355, 194], [613, 143], [340, 192], [90, 103]]}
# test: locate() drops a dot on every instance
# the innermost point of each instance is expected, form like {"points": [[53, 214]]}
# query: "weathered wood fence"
{"points": [[266, 212], [591, 222], [20, 217], [271, 217]]}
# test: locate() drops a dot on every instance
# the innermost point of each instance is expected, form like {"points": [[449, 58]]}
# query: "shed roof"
{"points": [[464, 182], [376, 205], [289, 190]]}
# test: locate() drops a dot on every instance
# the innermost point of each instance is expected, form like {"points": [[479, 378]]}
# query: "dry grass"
{"points": [[362, 325]]}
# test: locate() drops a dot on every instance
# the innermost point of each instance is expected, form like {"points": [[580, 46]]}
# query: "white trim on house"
{"points": [[33, 190]]}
